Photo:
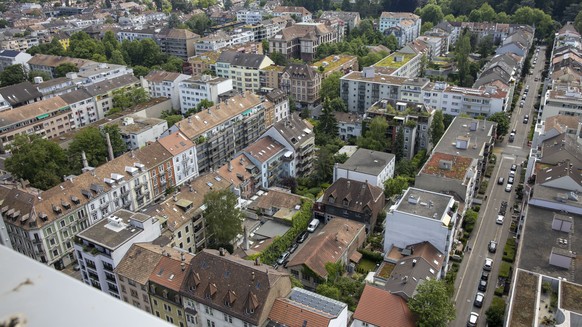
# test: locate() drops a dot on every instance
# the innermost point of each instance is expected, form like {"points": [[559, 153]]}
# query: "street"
{"points": [[486, 229]]}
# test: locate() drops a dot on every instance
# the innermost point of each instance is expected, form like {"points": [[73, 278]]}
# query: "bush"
{"points": [[504, 269], [371, 255], [499, 291], [483, 187], [509, 250]]}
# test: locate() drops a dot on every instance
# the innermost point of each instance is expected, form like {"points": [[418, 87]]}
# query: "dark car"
{"points": [[293, 247], [482, 285], [484, 275], [525, 119], [302, 237], [492, 246], [500, 181]]}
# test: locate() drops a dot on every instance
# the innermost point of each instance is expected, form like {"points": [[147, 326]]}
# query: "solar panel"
{"points": [[317, 301]]}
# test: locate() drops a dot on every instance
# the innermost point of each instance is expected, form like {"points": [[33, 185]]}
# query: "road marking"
{"points": [[479, 230], [514, 146]]}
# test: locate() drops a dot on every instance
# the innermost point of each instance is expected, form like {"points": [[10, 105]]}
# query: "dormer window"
{"points": [[165, 294], [331, 199], [346, 202]]}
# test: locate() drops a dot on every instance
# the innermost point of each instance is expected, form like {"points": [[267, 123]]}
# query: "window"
{"points": [[167, 308], [210, 323], [228, 318], [123, 289], [169, 319], [133, 293], [180, 234]]}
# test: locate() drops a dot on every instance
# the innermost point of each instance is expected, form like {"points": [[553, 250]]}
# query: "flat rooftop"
{"points": [[424, 203], [111, 235], [538, 239], [466, 137], [367, 161]]}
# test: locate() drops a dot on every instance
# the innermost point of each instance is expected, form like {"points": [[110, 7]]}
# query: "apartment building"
{"points": [[300, 12], [266, 29], [245, 178], [55, 86], [138, 131], [249, 16], [242, 68], [82, 106], [302, 83], [349, 125], [183, 151], [221, 39], [280, 100], [224, 129], [562, 100], [336, 63], [20, 94], [135, 34], [48, 63], [46, 118], [404, 25], [219, 294], [160, 83], [367, 166], [202, 87], [421, 216], [301, 40], [13, 57], [92, 73], [454, 100], [183, 212], [297, 136], [165, 281], [103, 92], [177, 42], [100, 248], [350, 18], [272, 159], [406, 62]]}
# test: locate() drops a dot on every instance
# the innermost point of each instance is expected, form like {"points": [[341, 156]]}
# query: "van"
{"points": [[313, 225]]}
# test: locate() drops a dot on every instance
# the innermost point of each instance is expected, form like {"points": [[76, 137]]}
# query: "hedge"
{"points": [[504, 269], [371, 255], [281, 243], [509, 250]]}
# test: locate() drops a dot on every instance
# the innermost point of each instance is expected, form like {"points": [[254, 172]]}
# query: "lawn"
{"points": [[366, 265], [523, 312], [571, 295], [390, 60]]}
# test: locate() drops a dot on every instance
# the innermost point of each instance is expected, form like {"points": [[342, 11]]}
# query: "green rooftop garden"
{"points": [[391, 60], [332, 65]]}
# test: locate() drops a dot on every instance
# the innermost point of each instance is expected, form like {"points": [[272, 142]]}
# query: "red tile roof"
{"points": [[380, 308], [290, 313], [169, 273]]}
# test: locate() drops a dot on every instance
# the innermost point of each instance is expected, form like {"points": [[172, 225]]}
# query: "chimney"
{"points": [[183, 266], [229, 166], [84, 158], [175, 197], [245, 238], [414, 262], [190, 120], [132, 154], [221, 251], [253, 275], [182, 257], [257, 261], [109, 147]]}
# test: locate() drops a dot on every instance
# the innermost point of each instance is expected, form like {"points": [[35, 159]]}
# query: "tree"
{"points": [[117, 143], [495, 312], [173, 21], [62, 69], [502, 122], [432, 304], [391, 42], [13, 74], [398, 146], [117, 58], [278, 58], [199, 23], [338, 105], [437, 127], [171, 117], [81, 45], [462, 57], [204, 104], [173, 64], [578, 22], [327, 122], [431, 13], [91, 141], [395, 185], [543, 22], [330, 86], [324, 165], [223, 220], [486, 46], [375, 136], [38, 73], [139, 71], [41, 162], [329, 291]]}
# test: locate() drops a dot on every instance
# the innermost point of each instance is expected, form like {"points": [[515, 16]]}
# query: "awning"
{"points": [[356, 257]]}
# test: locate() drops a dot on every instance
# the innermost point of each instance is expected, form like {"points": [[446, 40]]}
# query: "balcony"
{"points": [[90, 265]]}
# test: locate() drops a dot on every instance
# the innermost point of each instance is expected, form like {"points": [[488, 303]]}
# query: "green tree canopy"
{"points": [[42, 162], [432, 304], [199, 23], [223, 220], [375, 136], [90, 140], [496, 312], [327, 123], [431, 13], [13, 74], [395, 185], [437, 127], [38, 73], [117, 143], [578, 21], [330, 86], [462, 52], [171, 117], [62, 69], [502, 122]]}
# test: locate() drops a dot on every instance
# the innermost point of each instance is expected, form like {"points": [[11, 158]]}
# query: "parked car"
{"points": [[510, 180], [293, 247], [482, 285], [525, 119], [500, 181], [283, 257], [513, 167], [302, 237], [508, 187], [521, 103], [484, 275], [511, 173], [499, 220], [488, 264], [479, 297], [511, 137], [492, 246], [313, 225], [473, 319]]}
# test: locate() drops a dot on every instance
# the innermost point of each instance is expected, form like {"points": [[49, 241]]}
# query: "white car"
{"points": [[488, 264], [508, 187], [473, 318], [499, 220], [479, 300]]}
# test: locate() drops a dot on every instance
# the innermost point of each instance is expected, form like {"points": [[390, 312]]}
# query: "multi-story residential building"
{"points": [[135, 35], [415, 118], [304, 307], [224, 129], [336, 242], [82, 105], [100, 248], [454, 100], [244, 177], [242, 68], [351, 199], [48, 63], [367, 166], [160, 83], [421, 216], [201, 64], [336, 63], [55, 86], [562, 100], [301, 40], [300, 12], [281, 103], [266, 29], [202, 87], [270, 77], [404, 25], [221, 39], [302, 83], [350, 18], [349, 125], [184, 158], [216, 290], [177, 42], [103, 92], [165, 281], [297, 136], [138, 131], [12, 57], [183, 213], [272, 159], [47, 118], [406, 62], [249, 16], [20, 94], [135, 268], [371, 310], [92, 73]]}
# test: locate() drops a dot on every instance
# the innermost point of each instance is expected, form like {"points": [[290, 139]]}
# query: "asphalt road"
{"points": [[486, 229]]}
